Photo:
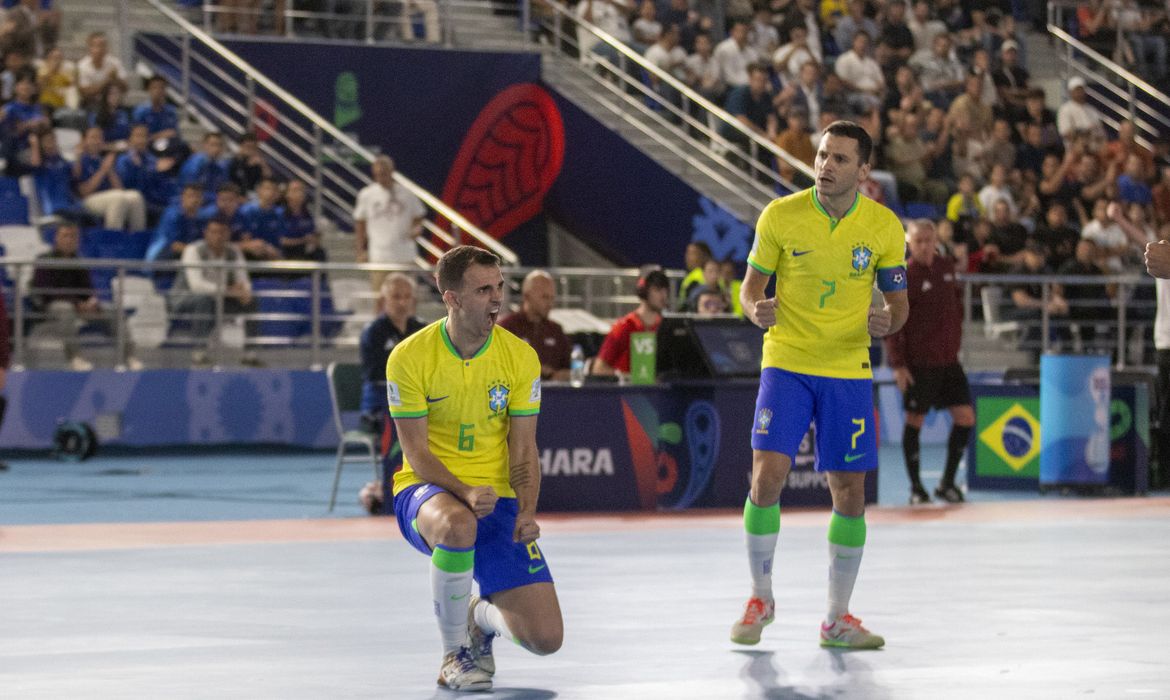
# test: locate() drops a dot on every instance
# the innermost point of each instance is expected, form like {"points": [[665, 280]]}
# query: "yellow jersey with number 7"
{"points": [[825, 272], [468, 403]]}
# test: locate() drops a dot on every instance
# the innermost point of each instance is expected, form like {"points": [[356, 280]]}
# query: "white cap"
{"points": [[1074, 83], [1009, 44]]}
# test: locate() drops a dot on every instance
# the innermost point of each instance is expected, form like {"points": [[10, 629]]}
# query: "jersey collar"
{"points": [[454, 350], [833, 222]]}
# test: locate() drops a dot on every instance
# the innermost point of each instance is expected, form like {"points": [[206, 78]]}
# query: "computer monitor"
{"points": [[721, 346], [678, 355]]}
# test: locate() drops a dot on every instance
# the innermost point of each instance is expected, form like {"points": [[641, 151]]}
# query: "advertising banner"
{"points": [[1074, 409]]}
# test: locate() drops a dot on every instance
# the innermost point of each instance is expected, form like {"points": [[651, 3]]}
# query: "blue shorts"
{"points": [[500, 563], [842, 409]]}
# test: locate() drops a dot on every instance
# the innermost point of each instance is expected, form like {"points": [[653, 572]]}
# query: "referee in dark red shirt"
{"points": [[925, 357]]}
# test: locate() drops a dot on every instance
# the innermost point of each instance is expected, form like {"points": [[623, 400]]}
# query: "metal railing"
{"points": [[709, 131], [369, 21], [1122, 93], [336, 301], [216, 86]]}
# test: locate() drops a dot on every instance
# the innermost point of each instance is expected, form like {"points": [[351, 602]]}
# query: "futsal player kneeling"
{"points": [[464, 395]]}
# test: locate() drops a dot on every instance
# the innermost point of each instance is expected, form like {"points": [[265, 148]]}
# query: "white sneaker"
{"points": [[459, 672], [481, 642], [80, 364], [846, 632], [757, 614]]}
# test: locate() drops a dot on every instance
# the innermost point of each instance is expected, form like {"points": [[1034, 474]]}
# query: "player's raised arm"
{"points": [[524, 475], [412, 434]]}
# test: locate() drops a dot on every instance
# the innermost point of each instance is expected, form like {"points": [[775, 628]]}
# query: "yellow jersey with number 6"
{"points": [[825, 271], [468, 403]]}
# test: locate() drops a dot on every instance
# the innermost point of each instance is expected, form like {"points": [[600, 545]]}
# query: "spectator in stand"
{"points": [[854, 23], [1077, 115], [18, 119], [859, 71], [696, 256], [691, 23], [15, 64], [908, 157], [924, 355], [763, 35], [1000, 149], [1037, 112], [609, 17], [970, 105], [1011, 81], [964, 206], [387, 221], [65, 295], [905, 95], [227, 205], [302, 241], [206, 168], [896, 41], [1028, 302], [56, 77], [797, 142], [1114, 246], [161, 120], [179, 226], [248, 167], [709, 301], [1031, 151], [395, 323], [805, 95], [111, 117], [100, 188], [97, 70], [140, 170], [53, 177], [703, 72], [668, 56], [1125, 145], [1058, 238], [805, 12], [653, 291], [734, 55], [30, 27], [1146, 46], [196, 288], [941, 74], [982, 254], [789, 59], [647, 29], [264, 223], [752, 105], [533, 325], [1088, 304], [924, 26], [1007, 233], [1131, 185], [998, 188]]}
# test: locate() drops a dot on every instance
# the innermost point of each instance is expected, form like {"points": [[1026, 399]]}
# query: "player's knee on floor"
{"points": [[544, 641]]}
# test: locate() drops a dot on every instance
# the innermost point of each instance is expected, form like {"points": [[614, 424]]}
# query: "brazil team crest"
{"points": [[763, 420], [497, 398], [862, 257]]}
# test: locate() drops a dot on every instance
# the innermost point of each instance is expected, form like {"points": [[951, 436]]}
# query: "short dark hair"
{"points": [[853, 130], [212, 134], [229, 187], [218, 220], [156, 78], [453, 265], [652, 277]]}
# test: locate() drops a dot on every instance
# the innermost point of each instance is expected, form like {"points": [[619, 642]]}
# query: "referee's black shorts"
{"points": [[936, 387]]}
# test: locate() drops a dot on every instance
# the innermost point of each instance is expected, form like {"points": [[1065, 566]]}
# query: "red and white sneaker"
{"points": [[757, 614], [846, 632]]}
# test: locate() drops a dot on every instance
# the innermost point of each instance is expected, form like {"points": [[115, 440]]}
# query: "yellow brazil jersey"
{"points": [[825, 270], [467, 402]]}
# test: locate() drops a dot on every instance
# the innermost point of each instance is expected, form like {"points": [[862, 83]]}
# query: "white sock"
{"points": [[844, 562], [452, 592], [491, 620], [761, 553]]}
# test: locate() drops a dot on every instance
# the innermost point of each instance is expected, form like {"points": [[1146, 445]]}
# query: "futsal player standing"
{"points": [[464, 395], [826, 247]]}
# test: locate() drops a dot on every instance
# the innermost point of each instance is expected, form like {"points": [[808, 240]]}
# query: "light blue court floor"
{"points": [[215, 576]]}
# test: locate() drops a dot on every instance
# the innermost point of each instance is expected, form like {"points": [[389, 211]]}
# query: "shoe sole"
{"points": [[846, 645], [469, 688], [750, 641]]}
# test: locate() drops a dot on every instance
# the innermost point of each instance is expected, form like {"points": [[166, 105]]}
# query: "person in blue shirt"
{"points": [[302, 241], [264, 222], [18, 119], [140, 170], [227, 208], [179, 226], [161, 120], [53, 177], [208, 168], [101, 189], [111, 116]]}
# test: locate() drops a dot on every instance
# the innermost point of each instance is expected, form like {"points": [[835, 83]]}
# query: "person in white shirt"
{"points": [[791, 57], [647, 29], [703, 72], [733, 55], [923, 26], [996, 189], [763, 36], [610, 18], [1077, 115], [859, 70], [97, 70], [668, 55], [387, 221]]}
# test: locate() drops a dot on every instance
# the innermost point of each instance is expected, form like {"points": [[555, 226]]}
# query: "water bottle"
{"points": [[577, 367]]}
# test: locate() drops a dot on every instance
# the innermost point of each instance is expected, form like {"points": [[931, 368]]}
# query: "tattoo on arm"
{"points": [[519, 475]]}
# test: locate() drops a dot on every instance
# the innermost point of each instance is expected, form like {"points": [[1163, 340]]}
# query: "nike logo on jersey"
{"points": [[436, 400], [798, 253], [853, 458], [534, 569]]}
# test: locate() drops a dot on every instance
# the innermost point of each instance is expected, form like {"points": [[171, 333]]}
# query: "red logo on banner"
{"points": [[510, 158]]}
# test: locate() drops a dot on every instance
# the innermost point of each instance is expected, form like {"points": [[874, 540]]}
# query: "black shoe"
{"points": [[950, 494], [3, 466], [918, 496]]}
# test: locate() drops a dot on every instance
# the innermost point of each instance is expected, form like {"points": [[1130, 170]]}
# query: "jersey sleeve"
{"points": [[525, 399], [405, 394], [361, 208], [765, 253], [891, 271]]}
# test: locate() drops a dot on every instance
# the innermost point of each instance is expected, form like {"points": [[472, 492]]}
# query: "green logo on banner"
{"points": [[643, 353], [346, 109], [1009, 437]]}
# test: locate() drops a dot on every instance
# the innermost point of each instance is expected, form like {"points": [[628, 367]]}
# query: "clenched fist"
{"points": [[879, 322], [764, 313]]}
